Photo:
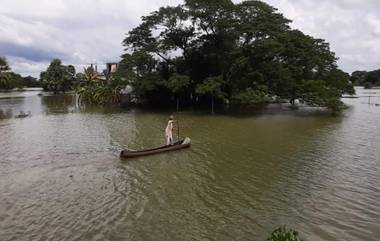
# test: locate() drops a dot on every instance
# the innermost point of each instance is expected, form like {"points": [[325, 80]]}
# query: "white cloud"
{"points": [[80, 32], [374, 22], [19, 65], [352, 27]]}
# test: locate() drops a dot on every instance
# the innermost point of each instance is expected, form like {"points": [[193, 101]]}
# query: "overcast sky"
{"points": [[90, 31]]}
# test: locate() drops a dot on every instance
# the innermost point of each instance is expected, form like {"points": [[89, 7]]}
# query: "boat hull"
{"points": [[176, 146]]}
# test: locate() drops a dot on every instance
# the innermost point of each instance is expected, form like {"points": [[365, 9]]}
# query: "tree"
{"points": [[317, 93], [366, 79], [5, 80], [95, 90], [10, 80], [178, 84], [4, 64], [57, 77], [89, 74], [358, 77], [16, 80], [373, 77], [70, 76], [368, 85], [30, 81], [213, 87], [249, 46], [250, 98], [145, 74]]}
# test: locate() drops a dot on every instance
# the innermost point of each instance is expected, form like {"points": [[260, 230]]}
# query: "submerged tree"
{"points": [[249, 46], [178, 85], [211, 87], [57, 77]]}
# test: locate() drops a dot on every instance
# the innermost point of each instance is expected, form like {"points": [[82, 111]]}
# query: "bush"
{"points": [[284, 234], [99, 93]]}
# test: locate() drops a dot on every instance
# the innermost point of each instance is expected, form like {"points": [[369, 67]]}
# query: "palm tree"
{"points": [[90, 74]]}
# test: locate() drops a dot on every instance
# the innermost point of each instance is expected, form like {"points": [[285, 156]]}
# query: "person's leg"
{"points": [[171, 139], [167, 140]]}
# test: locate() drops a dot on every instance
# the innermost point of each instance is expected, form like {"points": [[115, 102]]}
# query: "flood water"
{"points": [[61, 177]]}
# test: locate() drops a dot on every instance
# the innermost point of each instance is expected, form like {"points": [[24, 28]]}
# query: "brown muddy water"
{"points": [[61, 177]]}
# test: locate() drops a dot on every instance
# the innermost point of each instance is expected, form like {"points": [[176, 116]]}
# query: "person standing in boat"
{"points": [[169, 131]]}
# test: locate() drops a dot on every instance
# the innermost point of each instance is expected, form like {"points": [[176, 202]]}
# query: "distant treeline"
{"points": [[368, 79], [11, 80]]}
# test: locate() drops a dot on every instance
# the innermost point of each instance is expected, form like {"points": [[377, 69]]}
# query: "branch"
{"points": [[164, 58]]}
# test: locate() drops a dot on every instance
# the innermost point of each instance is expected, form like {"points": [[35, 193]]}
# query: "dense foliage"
{"points": [[10, 80], [241, 54], [366, 79], [284, 234], [5, 81], [58, 77], [95, 90]]}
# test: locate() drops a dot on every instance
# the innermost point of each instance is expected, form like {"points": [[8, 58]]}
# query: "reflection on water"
{"points": [[57, 104], [61, 177], [7, 113]]}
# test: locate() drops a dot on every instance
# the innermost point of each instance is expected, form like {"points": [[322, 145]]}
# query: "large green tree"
{"points": [[249, 46]]}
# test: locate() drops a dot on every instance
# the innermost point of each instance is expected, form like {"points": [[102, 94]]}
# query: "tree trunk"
{"points": [[212, 104], [293, 105]]}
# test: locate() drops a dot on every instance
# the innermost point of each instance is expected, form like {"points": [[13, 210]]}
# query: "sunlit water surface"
{"points": [[61, 177]]}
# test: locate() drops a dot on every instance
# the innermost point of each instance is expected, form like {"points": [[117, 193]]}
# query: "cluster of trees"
{"points": [[367, 79], [11, 80], [93, 87], [244, 54]]}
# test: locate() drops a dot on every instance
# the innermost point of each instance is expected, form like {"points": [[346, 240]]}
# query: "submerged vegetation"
{"points": [[284, 234], [93, 89], [241, 54]]}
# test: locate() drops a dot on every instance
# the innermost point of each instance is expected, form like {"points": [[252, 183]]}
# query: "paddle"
{"points": [[177, 129]]}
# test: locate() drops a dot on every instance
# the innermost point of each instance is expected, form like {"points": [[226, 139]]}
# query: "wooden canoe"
{"points": [[185, 143]]}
